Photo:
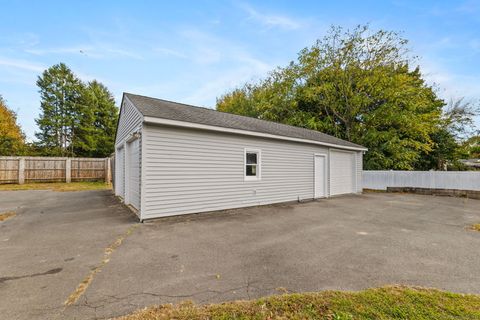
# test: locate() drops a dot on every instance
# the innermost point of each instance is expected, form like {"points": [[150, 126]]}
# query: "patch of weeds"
{"points": [[7, 215], [374, 191], [58, 186], [393, 302], [342, 316]]}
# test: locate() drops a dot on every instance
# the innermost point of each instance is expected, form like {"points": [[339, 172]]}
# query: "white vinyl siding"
{"points": [[343, 172], [133, 149], [130, 120], [120, 172], [189, 171], [359, 168]]}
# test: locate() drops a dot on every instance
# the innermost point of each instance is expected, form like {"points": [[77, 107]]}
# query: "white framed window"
{"points": [[252, 164]]}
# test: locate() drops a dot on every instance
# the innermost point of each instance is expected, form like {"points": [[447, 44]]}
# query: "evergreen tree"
{"points": [[12, 139], [60, 93], [77, 119], [96, 132]]}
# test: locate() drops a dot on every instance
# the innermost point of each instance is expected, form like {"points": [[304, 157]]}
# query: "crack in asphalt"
{"points": [[51, 271], [83, 286], [112, 299]]}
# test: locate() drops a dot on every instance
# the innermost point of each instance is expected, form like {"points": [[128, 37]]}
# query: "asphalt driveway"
{"points": [[86, 249]]}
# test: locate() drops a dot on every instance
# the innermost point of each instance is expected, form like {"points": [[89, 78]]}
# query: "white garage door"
{"points": [[134, 173], [342, 172], [120, 173]]}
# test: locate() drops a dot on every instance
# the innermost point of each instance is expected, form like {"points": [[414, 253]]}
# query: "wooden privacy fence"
{"points": [[53, 169]]}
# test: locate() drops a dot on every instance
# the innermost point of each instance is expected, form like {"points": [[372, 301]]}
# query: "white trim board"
{"points": [[326, 190]]}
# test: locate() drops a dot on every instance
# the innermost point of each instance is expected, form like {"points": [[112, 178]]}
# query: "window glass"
{"points": [[251, 170], [252, 164], [251, 158]]}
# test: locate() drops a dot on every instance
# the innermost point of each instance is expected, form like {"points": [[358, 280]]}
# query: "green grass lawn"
{"points": [[381, 303], [57, 186]]}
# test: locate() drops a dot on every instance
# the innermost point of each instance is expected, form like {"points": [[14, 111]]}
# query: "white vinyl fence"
{"points": [[461, 180]]}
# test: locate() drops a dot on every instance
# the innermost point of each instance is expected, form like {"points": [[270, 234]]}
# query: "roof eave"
{"points": [[185, 124], [118, 118]]}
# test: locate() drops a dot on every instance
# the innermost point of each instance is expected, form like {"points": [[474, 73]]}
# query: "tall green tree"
{"points": [[472, 146], [77, 119], [456, 123], [357, 85], [12, 139], [98, 122], [60, 93]]}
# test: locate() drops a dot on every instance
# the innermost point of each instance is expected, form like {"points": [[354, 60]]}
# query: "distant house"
{"points": [[473, 164], [173, 159]]}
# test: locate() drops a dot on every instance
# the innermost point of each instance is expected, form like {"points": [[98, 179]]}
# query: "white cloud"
{"points": [[203, 48], [80, 49], [28, 39], [103, 51], [271, 20], [170, 52], [207, 93], [121, 53], [220, 65], [207, 49], [475, 44], [245, 68], [451, 84], [258, 65], [202, 89], [207, 55], [21, 64], [445, 42], [469, 7]]}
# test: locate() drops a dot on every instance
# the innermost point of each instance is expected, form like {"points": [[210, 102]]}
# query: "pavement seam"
{"points": [[83, 286]]}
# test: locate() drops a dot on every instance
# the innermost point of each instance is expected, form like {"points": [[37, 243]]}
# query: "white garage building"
{"points": [[173, 159]]}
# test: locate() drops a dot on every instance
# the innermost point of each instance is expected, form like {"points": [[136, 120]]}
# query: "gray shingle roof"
{"points": [[158, 108]]}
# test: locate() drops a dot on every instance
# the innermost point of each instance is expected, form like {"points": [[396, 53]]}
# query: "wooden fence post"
{"points": [[68, 170], [107, 170], [21, 170], [111, 162]]}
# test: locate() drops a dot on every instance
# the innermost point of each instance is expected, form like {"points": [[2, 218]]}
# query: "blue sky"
{"points": [[194, 51]]}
